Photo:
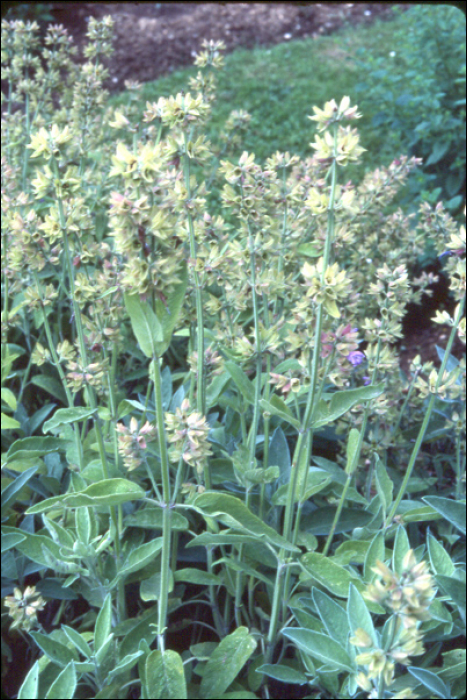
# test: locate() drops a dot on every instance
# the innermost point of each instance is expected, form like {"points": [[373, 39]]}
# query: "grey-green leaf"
{"points": [[30, 686], [359, 615], [146, 326], [234, 513], [64, 685], [431, 681], [320, 647], [62, 416], [243, 384], [401, 547], [165, 676], [27, 448], [226, 662], [56, 651], [333, 616], [103, 624], [375, 553], [454, 511], [342, 401], [108, 492], [282, 673], [440, 560]]}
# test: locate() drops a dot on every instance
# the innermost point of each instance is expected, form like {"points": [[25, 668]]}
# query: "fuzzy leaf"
{"points": [[34, 447], [234, 513], [168, 315], [282, 673], [146, 326], [342, 401], [226, 662], [359, 615], [67, 415], [330, 575], [165, 676], [401, 547], [454, 511], [30, 686], [278, 407], [241, 381], [64, 686], [9, 423], [440, 560], [54, 650], [375, 552], [321, 647], [430, 681], [333, 616], [108, 492], [103, 623]]}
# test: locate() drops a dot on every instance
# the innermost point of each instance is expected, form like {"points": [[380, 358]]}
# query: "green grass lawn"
{"points": [[278, 86]]}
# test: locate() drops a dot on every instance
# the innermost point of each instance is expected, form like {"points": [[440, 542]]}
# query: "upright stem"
{"points": [[254, 425], [426, 419], [91, 394], [306, 423], [201, 392], [166, 505]]}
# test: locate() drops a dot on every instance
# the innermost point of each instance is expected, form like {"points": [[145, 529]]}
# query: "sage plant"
{"points": [[194, 363]]}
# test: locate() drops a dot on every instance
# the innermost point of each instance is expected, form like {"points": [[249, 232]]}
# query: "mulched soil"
{"points": [[152, 39]]}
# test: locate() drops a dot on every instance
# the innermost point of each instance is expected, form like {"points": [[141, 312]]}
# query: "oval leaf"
{"points": [[64, 685], [454, 511], [67, 415], [320, 647], [235, 514], [431, 681], [108, 492], [226, 662], [146, 326], [30, 686], [165, 676], [330, 575]]}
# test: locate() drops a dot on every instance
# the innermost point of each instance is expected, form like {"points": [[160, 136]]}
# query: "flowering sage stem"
{"points": [[426, 419]]}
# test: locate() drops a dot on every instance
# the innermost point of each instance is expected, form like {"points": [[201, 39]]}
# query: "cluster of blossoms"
{"points": [[23, 607], [93, 374], [213, 363], [133, 440], [327, 289], [188, 433], [408, 596]]}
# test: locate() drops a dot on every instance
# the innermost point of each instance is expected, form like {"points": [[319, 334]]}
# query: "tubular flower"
{"points": [[333, 113], [327, 288], [408, 594], [23, 607], [133, 440], [188, 433]]}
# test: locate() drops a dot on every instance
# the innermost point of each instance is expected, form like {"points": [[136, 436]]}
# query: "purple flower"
{"points": [[366, 381], [356, 357]]}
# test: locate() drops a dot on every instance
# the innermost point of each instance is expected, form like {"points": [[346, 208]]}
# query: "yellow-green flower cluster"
{"points": [[188, 433], [448, 387], [344, 151], [333, 113], [380, 663], [213, 363], [92, 374], [23, 607], [211, 55], [408, 594], [133, 440], [328, 287]]}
